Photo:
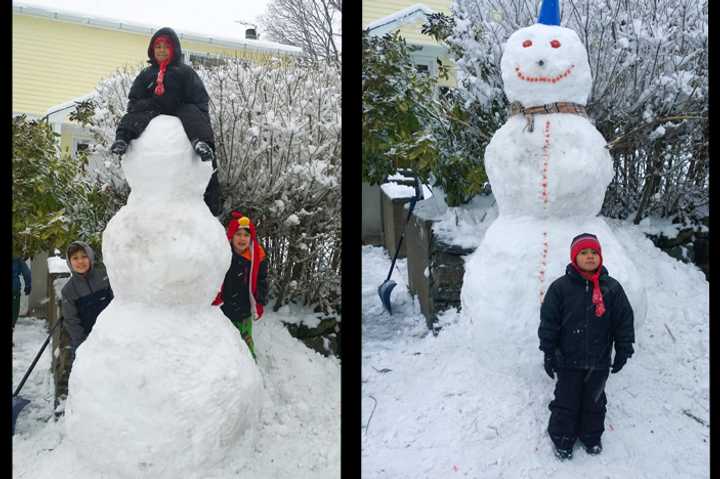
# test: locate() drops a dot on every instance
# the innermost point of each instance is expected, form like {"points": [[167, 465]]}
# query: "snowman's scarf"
{"points": [[558, 107]]}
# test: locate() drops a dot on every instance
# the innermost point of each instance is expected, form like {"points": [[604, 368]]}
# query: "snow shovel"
{"points": [[20, 402], [385, 289]]}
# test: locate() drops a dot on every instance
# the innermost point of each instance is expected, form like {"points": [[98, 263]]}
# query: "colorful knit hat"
{"points": [[240, 221]]}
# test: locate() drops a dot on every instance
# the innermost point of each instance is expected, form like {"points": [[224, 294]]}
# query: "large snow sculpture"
{"points": [[549, 170], [164, 384]]}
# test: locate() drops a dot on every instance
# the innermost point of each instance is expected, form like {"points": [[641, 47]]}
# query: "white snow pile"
{"points": [[298, 434], [463, 225], [445, 406], [164, 386]]}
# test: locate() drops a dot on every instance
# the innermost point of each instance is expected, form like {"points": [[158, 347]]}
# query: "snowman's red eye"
{"points": [[527, 43], [555, 44]]}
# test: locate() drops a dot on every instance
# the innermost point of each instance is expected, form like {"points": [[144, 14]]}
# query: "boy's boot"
{"points": [[595, 449], [204, 150], [119, 147], [562, 446], [562, 454]]}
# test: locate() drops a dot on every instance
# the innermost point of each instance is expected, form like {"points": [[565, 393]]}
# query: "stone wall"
{"points": [[324, 338], [435, 269]]}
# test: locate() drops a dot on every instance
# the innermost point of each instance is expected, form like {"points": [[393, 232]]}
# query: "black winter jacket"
{"points": [[236, 297], [568, 323], [182, 84]]}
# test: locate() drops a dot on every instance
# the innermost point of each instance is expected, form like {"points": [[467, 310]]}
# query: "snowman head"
{"points": [[545, 63]]}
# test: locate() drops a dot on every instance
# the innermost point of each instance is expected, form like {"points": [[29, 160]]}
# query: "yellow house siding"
{"points": [[66, 141], [54, 61]]}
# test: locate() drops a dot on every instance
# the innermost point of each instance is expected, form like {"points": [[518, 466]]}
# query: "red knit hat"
{"points": [[160, 87], [579, 243], [584, 241]]}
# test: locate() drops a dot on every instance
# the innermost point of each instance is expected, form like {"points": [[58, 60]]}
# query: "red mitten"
{"points": [[260, 311]]}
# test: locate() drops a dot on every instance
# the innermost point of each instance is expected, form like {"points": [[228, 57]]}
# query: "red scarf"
{"points": [[597, 297], [160, 87]]}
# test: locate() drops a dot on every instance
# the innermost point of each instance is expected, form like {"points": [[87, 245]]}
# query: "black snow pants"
{"points": [[578, 410], [196, 123]]}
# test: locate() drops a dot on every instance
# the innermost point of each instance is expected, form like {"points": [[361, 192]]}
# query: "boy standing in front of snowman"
{"points": [[244, 291], [583, 313]]}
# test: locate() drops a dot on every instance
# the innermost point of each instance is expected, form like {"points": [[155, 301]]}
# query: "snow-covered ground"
{"points": [[434, 407], [298, 435]]}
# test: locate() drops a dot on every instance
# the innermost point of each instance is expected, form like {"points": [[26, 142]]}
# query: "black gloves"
{"points": [[620, 360], [119, 147], [27, 290], [549, 364], [204, 150]]}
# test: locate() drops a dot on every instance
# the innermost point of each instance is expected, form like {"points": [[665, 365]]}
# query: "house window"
{"points": [[425, 64], [80, 145]]}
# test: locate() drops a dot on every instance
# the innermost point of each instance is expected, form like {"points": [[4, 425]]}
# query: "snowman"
{"points": [[549, 168], [164, 385]]}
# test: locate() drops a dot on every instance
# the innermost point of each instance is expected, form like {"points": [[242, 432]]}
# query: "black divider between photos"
{"points": [[351, 239]]}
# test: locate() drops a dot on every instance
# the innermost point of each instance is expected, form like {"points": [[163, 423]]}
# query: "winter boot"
{"points": [[594, 449], [204, 150], [562, 454], [119, 147]]}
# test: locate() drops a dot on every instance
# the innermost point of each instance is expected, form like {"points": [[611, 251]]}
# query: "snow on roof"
{"points": [[412, 13], [109, 23]]}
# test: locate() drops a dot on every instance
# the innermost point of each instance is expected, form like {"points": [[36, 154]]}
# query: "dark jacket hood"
{"points": [[88, 251], [177, 50]]}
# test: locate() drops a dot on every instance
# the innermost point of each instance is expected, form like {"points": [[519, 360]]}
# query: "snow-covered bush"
{"points": [[649, 99], [278, 144]]}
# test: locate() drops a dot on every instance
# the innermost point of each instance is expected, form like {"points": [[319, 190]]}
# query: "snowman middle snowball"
{"points": [[560, 166]]}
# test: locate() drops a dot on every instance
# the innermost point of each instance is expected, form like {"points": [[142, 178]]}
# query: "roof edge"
{"points": [[395, 20]]}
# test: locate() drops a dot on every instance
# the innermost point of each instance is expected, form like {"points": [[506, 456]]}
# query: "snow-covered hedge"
{"points": [[278, 142]]}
